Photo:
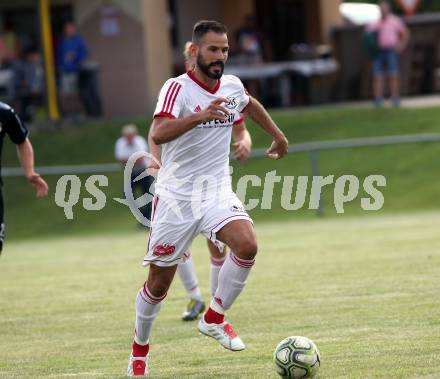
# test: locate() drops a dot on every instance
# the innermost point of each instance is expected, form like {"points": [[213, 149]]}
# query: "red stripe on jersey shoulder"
{"points": [[173, 91], [169, 96], [166, 96], [174, 99], [164, 114]]}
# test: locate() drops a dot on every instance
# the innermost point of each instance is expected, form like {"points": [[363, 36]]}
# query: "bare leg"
{"points": [[240, 236], [214, 251], [160, 279], [378, 89], [395, 88]]}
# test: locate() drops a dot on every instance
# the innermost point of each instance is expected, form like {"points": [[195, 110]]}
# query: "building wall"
{"points": [[233, 15], [330, 17], [191, 11], [136, 59], [321, 16], [129, 39], [121, 58], [84, 8], [229, 12], [157, 46]]}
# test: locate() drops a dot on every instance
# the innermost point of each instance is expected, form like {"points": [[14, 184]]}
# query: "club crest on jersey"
{"points": [[164, 249], [231, 104]]}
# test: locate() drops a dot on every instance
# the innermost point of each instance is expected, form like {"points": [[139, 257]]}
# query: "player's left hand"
{"points": [[242, 150], [278, 149], [39, 184], [153, 168]]}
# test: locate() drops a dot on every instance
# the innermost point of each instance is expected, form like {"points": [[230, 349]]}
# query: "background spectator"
{"points": [[3, 50], [250, 48], [250, 42], [392, 38], [28, 82], [71, 54], [11, 41], [128, 144]]}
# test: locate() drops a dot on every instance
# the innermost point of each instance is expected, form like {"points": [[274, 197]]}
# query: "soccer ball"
{"points": [[297, 358]]}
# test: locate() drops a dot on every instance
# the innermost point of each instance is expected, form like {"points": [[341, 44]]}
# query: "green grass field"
{"points": [[365, 286], [365, 289], [411, 170]]}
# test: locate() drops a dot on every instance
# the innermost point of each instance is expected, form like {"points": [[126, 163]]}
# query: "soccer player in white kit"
{"points": [[186, 270], [193, 121]]}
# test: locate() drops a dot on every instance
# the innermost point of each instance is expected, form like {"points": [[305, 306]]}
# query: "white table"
{"points": [[283, 70]]}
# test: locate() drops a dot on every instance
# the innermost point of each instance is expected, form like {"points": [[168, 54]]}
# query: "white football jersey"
{"points": [[200, 157]]}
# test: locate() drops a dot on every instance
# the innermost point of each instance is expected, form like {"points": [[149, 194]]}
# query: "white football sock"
{"points": [[231, 280], [216, 265], [187, 274], [147, 309]]}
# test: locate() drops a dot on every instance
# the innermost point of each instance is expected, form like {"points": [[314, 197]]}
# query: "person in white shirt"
{"points": [[129, 143], [193, 122]]}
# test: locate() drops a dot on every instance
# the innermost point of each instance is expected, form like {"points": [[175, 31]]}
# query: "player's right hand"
{"points": [[215, 111]]}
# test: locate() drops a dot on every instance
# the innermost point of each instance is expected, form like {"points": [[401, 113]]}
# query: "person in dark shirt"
{"points": [[71, 55], [72, 50], [250, 42], [11, 125], [28, 83]]}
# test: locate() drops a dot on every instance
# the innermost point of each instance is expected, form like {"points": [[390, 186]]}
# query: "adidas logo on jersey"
{"points": [[197, 109]]}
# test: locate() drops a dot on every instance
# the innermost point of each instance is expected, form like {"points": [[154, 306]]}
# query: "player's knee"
{"points": [[247, 249], [157, 288], [158, 285], [159, 279]]}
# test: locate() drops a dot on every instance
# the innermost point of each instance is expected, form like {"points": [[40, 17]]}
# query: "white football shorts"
{"points": [[175, 223]]}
